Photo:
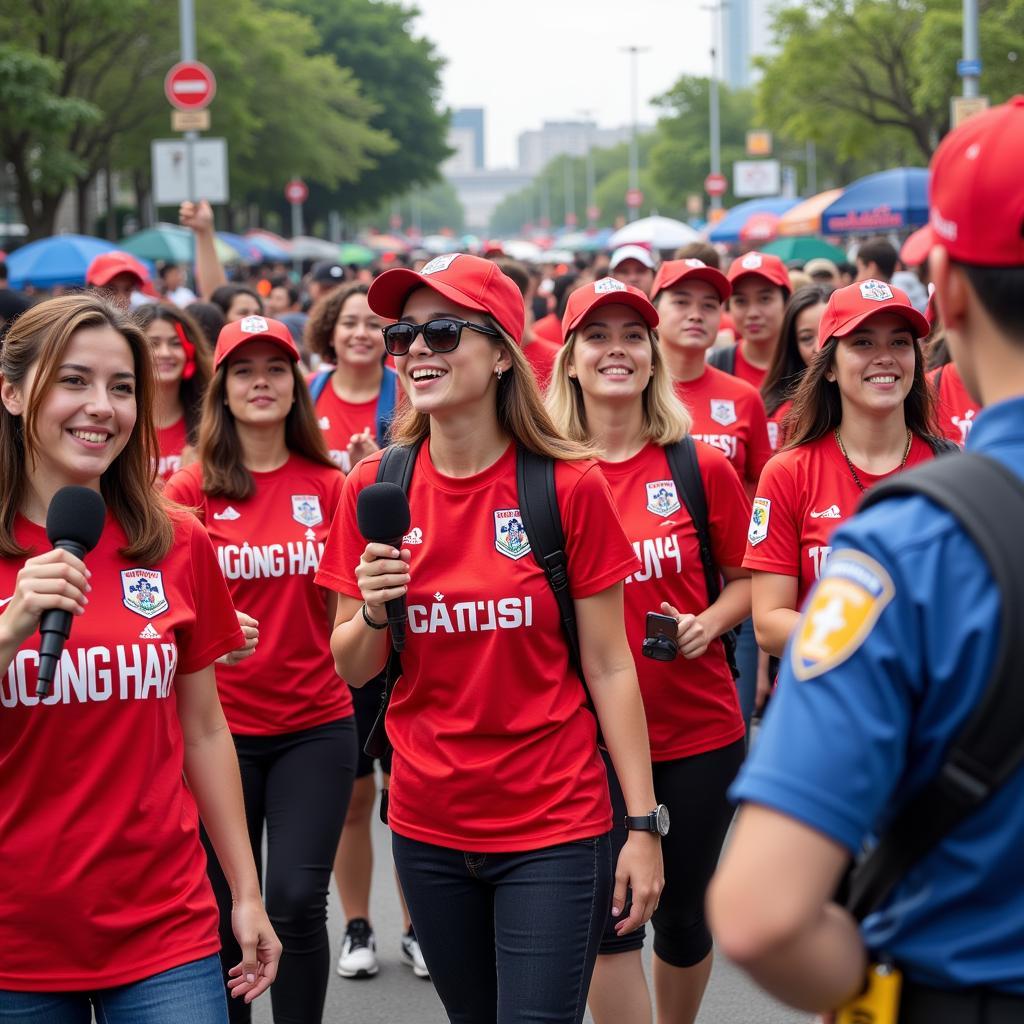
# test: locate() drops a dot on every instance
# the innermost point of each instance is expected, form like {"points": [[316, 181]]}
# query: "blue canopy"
{"points": [[267, 249], [895, 200], [62, 259], [729, 227], [245, 247]]}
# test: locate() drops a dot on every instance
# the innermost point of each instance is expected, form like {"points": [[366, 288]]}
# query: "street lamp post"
{"points": [[714, 112], [634, 147], [971, 59], [591, 186]]}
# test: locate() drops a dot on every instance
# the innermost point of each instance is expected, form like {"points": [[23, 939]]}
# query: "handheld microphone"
{"points": [[382, 512], [74, 522]]}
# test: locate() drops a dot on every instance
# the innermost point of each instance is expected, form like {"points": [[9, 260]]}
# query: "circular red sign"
{"points": [[715, 184], [296, 191], [190, 85], [634, 198], [593, 212]]}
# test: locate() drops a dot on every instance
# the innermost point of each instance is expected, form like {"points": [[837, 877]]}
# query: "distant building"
{"points": [[481, 192], [572, 138], [466, 137], [745, 34]]}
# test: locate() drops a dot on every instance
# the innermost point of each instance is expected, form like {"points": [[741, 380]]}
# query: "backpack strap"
{"points": [[937, 379], [682, 461], [987, 500], [724, 358], [397, 463], [318, 383], [386, 404]]}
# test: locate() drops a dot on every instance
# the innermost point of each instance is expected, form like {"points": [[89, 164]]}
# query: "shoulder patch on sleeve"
{"points": [[759, 516], [842, 612]]}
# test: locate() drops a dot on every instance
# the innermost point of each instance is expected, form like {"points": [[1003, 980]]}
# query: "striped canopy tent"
{"points": [[805, 217]]}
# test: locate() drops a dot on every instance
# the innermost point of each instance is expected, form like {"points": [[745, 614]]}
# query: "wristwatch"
{"points": [[656, 822]]}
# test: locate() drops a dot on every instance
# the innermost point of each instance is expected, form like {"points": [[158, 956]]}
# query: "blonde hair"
{"points": [[666, 419], [520, 409]]}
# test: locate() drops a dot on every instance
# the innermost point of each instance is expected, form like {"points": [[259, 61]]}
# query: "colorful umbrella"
{"points": [[729, 227], [249, 252], [170, 243], [63, 259], [305, 247], [269, 248], [804, 249], [354, 253], [386, 243], [805, 217], [761, 227], [656, 232], [887, 201]]}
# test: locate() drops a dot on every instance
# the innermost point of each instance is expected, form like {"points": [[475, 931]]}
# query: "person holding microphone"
{"points": [[266, 490], [107, 906], [611, 389], [499, 803]]}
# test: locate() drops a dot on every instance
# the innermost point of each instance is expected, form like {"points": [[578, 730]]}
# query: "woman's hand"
{"points": [[56, 580], [251, 632], [691, 636], [382, 575], [197, 216], [361, 445], [641, 869], [261, 950]]}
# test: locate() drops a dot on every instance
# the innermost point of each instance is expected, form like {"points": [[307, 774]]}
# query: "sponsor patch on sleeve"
{"points": [[759, 516], [842, 612]]}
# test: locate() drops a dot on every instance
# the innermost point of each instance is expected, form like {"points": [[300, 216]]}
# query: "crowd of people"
{"points": [[562, 729]]}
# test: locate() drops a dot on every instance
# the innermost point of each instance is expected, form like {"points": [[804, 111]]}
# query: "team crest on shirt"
{"points": [[509, 534], [142, 592], [842, 611], [759, 516], [723, 411], [662, 499], [306, 509]]}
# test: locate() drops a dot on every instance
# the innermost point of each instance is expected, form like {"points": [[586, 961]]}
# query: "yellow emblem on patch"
{"points": [[842, 611]]}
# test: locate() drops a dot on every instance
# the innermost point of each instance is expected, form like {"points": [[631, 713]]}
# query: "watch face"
{"points": [[662, 819]]}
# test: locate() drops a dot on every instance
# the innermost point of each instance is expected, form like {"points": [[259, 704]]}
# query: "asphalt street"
{"points": [[396, 996]]}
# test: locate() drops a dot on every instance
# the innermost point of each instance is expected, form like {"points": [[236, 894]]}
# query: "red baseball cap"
{"points": [[760, 264], [849, 307], [105, 267], [606, 292], [915, 249], [671, 272], [976, 189], [470, 281], [253, 328]]}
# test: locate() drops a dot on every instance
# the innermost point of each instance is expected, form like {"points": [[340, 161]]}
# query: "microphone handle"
{"points": [[397, 617], [54, 629]]}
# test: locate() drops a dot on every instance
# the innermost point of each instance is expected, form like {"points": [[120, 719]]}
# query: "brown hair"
{"points": [[39, 338], [521, 411], [319, 331], [193, 389], [787, 366], [818, 410], [703, 251], [220, 450]]}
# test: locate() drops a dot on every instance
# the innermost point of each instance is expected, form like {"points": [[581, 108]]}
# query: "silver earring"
{"points": [[499, 374]]}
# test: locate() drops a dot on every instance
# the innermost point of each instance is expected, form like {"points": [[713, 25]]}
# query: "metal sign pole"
{"points": [[187, 28]]}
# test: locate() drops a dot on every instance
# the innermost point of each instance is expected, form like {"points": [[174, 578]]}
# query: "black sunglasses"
{"points": [[441, 335]]}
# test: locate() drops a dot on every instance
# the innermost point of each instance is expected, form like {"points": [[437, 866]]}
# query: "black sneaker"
{"points": [[358, 951]]}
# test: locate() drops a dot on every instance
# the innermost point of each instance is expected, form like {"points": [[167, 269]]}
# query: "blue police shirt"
{"points": [[892, 654]]}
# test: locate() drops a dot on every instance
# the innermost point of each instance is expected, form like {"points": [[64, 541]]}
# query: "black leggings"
{"points": [[298, 783], [693, 789]]}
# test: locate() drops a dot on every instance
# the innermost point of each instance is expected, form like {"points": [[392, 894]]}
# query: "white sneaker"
{"points": [[412, 955], [359, 950]]}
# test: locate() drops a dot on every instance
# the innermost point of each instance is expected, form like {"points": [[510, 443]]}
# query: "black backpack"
{"points": [[987, 500]]}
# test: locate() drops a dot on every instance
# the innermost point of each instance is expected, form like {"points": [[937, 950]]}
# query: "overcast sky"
{"points": [[527, 61]]}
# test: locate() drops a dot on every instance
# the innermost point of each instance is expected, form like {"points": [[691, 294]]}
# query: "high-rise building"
{"points": [[745, 34], [573, 138], [466, 137]]}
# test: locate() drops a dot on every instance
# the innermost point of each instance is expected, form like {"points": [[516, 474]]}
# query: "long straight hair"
{"points": [[665, 419], [39, 338], [787, 366], [220, 448], [521, 412], [818, 407]]}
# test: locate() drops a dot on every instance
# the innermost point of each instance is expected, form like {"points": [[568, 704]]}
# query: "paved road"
{"points": [[396, 996]]}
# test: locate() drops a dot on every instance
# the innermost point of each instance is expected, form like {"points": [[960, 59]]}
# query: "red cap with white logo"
{"points": [[760, 264], [253, 328], [674, 272], [606, 292], [849, 307], [459, 277]]}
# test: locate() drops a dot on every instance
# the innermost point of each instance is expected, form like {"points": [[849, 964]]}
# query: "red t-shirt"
{"points": [[776, 435], [105, 878], [753, 375], [269, 548], [541, 356], [495, 749], [171, 441], [339, 420], [728, 414], [691, 706], [954, 408], [548, 328], [804, 494]]}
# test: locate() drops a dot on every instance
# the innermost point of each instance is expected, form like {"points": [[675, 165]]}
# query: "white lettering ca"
{"points": [[471, 616]]}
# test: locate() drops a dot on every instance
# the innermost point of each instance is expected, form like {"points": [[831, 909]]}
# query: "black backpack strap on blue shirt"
{"points": [[682, 461], [987, 500]]}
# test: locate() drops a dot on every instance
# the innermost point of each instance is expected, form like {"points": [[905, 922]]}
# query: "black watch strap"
{"points": [[642, 822]]}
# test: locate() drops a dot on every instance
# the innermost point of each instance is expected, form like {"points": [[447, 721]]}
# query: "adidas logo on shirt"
{"points": [[149, 633], [228, 514], [832, 512]]}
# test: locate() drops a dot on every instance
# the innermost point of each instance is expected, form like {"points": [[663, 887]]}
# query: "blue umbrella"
{"points": [[729, 227], [246, 247], [887, 201], [62, 259], [267, 249]]}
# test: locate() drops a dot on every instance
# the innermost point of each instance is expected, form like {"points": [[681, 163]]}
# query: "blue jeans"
{"points": [[190, 994], [508, 937]]}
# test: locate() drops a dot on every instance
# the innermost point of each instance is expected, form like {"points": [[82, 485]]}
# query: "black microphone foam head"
{"points": [[76, 514], [382, 511]]}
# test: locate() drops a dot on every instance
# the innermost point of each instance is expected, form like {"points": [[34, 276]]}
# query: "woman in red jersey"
{"points": [[798, 341], [612, 389], [954, 408], [107, 906], [266, 490], [181, 356], [862, 412], [499, 803]]}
